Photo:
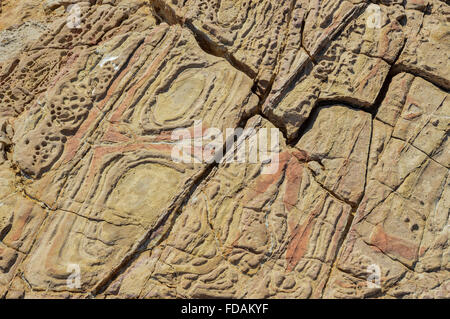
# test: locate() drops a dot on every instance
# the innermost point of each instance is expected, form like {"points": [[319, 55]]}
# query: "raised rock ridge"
{"points": [[350, 200]]}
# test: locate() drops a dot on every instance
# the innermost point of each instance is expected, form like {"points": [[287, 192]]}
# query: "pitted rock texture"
{"points": [[351, 198]]}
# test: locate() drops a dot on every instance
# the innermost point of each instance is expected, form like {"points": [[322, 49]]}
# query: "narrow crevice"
{"points": [[264, 95], [395, 260], [169, 218], [345, 232], [337, 196], [167, 222], [366, 178], [383, 92], [20, 188], [217, 50], [348, 102], [351, 217], [341, 242], [311, 57], [305, 127], [421, 151], [166, 14], [400, 68]]}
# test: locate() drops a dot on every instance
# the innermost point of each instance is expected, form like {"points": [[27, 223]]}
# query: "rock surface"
{"points": [[337, 185]]}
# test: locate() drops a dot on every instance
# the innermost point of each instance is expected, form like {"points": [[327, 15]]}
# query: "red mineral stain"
{"points": [[130, 94], [112, 135], [26, 209], [294, 174], [365, 81], [301, 155], [263, 182], [393, 245], [299, 243], [113, 88], [73, 142]]}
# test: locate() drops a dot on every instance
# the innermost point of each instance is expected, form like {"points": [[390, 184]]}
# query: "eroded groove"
{"points": [[333, 267], [399, 68], [168, 16], [169, 218], [277, 227]]}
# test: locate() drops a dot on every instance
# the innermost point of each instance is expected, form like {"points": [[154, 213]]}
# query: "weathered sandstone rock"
{"points": [[427, 49], [244, 233], [122, 174], [401, 225]]}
